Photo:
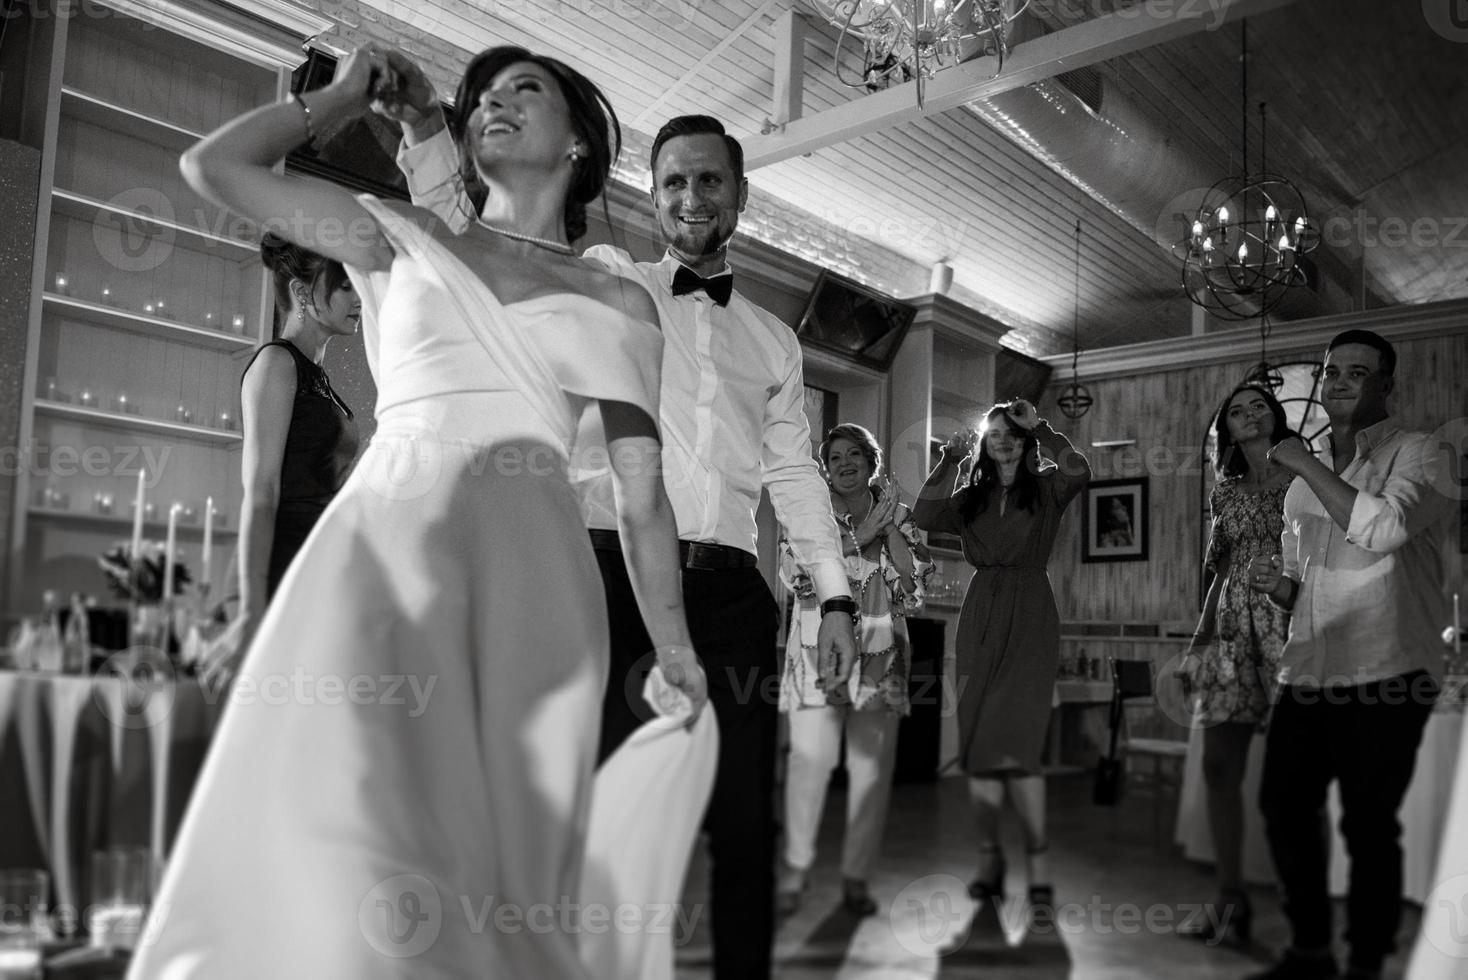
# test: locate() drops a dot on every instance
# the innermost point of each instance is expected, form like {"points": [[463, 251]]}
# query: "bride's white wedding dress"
{"points": [[402, 782]]}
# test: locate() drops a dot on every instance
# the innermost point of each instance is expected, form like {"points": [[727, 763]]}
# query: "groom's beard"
{"points": [[693, 247]]}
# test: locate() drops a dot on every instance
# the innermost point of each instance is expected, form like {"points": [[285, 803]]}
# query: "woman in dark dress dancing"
{"points": [[1008, 642]]}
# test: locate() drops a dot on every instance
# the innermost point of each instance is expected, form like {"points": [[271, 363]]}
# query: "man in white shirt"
{"points": [[1360, 571], [732, 422]]}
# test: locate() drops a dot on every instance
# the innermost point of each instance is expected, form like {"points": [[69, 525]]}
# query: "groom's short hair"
{"points": [[696, 126]]}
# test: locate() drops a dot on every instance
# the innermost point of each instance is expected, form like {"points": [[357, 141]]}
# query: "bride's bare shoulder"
{"points": [[620, 292]]}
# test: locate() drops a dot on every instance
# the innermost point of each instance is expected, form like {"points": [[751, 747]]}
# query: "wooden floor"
{"points": [[1119, 896]]}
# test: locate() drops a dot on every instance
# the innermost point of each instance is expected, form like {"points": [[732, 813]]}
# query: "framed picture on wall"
{"points": [[1114, 520]]}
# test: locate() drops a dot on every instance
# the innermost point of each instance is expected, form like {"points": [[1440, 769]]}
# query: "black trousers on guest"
{"points": [[1365, 738], [733, 619]]}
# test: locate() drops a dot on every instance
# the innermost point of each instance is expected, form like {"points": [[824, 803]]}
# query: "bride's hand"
{"points": [[681, 669]]}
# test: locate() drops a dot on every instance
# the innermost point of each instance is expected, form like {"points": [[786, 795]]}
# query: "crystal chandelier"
{"points": [[1241, 254], [905, 40]]}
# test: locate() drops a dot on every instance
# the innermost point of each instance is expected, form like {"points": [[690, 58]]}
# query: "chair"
{"points": [[1133, 690]]}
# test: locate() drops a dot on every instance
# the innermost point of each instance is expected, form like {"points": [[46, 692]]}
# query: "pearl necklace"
{"points": [[560, 248]]}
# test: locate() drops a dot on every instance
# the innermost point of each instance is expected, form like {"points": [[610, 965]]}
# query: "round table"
{"points": [[88, 763], [1423, 814]]}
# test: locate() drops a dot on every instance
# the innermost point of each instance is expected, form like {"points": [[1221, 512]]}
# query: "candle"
{"points": [[168, 553], [208, 544], [1457, 629], [137, 545]]}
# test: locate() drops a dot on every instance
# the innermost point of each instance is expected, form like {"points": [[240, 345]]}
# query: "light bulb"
{"points": [[1284, 243], [1197, 229], [1208, 244], [1243, 251], [1223, 215], [1270, 214]]}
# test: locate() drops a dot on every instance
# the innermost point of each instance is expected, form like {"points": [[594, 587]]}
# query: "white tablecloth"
{"points": [[1423, 814]]}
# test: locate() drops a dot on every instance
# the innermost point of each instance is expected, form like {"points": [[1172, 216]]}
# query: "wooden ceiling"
{"points": [[1367, 113]]}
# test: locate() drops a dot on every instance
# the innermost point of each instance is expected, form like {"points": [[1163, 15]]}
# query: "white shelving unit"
{"points": [[147, 300]]}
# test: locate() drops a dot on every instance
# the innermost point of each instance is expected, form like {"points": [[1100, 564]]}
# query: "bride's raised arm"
{"points": [[233, 167]]}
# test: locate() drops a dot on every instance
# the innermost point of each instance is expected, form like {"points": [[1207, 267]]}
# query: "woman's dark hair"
{"points": [[592, 118], [859, 436], [983, 479], [1227, 460], [289, 263]]}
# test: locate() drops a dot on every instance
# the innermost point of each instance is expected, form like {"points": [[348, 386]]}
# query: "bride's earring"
{"points": [[575, 154]]}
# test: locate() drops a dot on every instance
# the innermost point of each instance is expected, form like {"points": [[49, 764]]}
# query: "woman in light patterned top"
{"points": [[888, 566], [1230, 666]]}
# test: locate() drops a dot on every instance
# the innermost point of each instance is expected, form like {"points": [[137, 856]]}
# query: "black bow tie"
{"points": [[719, 288]]}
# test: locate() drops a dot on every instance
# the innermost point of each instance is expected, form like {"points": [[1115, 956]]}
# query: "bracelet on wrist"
{"points": [[305, 117]]}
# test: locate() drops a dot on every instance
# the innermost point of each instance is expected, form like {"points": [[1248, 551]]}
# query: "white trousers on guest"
{"points": [[815, 748]]}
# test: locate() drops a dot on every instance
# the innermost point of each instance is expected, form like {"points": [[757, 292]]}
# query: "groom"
{"points": [[732, 421]]}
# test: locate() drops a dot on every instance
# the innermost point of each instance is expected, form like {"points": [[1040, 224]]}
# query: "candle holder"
{"points": [[121, 405], [102, 503], [61, 285], [182, 414], [86, 399], [162, 309], [227, 421], [237, 323], [150, 511], [151, 309], [211, 321], [188, 514], [109, 298], [54, 392]]}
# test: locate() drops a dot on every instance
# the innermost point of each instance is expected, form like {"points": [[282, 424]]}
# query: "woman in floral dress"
{"points": [[1231, 664], [888, 566]]}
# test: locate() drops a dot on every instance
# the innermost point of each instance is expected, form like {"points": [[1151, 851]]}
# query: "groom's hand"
{"points": [[414, 103], [681, 669], [836, 646]]}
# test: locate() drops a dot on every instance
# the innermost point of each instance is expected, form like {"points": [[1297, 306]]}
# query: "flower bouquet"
{"points": [[141, 580]]}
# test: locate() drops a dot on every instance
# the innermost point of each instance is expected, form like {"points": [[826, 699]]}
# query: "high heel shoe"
{"points": [[990, 885], [1227, 919], [856, 899], [788, 890]]}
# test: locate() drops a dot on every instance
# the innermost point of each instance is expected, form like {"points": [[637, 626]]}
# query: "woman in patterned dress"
{"points": [[888, 566], [1231, 663]]}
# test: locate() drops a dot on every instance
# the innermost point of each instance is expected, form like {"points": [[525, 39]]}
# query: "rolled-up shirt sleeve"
{"points": [[434, 181], [802, 502], [1407, 503]]}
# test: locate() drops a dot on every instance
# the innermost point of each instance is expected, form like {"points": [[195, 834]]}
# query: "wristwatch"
{"points": [[840, 603]]}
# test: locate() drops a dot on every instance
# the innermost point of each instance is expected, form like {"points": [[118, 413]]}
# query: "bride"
{"points": [[402, 782]]}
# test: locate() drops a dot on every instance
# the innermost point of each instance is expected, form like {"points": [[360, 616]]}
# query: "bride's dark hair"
{"points": [[592, 118]]}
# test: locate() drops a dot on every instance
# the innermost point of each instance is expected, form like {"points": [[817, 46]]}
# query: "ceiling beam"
{"points": [[789, 95], [1109, 36], [709, 57]]}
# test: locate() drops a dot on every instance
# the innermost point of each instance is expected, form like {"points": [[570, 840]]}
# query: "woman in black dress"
{"points": [[1008, 642], [300, 438]]}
